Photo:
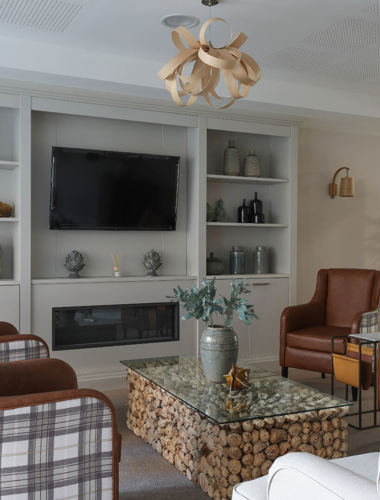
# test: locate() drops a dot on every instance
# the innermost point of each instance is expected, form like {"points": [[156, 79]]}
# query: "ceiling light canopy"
{"points": [[176, 20], [239, 70]]}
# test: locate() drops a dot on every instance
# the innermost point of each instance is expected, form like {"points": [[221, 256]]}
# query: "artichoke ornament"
{"points": [[152, 261], [74, 262]]}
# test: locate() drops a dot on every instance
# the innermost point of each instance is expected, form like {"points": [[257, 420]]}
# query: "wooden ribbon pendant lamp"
{"points": [[239, 70]]}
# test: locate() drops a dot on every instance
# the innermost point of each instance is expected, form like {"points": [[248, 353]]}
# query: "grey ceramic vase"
{"points": [[219, 350]]}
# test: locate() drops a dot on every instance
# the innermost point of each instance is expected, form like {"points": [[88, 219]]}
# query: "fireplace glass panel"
{"points": [[99, 326]]}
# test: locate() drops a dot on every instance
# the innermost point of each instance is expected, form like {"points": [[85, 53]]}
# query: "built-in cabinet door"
{"points": [[261, 339], [270, 297], [9, 304]]}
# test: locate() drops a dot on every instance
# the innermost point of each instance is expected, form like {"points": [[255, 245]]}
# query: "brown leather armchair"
{"points": [[341, 301]]}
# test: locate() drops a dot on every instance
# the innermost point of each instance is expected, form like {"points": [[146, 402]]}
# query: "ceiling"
{"points": [[332, 44]]}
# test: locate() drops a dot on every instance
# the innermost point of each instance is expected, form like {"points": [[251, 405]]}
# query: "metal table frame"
{"points": [[361, 342]]}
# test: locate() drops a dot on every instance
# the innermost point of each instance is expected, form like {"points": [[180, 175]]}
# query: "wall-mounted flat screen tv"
{"points": [[103, 190]]}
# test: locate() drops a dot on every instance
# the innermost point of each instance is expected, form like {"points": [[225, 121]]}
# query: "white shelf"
{"points": [[8, 165], [239, 224], [244, 180], [248, 276], [8, 219], [8, 282], [109, 279]]}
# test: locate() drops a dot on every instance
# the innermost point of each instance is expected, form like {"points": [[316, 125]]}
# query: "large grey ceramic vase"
{"points": [[219, 350]]}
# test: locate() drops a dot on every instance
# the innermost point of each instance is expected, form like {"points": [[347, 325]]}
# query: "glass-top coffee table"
{"points": [[219, 438]]}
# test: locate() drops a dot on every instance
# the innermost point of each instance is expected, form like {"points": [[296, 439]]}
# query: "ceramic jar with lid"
{"points": [[260, 260], [214, 265], [231, 165], [252, 166], [237, 260]]}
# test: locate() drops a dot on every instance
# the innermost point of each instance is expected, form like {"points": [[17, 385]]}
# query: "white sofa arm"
{"points": [[297, 476]]}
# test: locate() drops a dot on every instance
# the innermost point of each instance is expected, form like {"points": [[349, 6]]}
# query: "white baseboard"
{"points": [[102, 380]]}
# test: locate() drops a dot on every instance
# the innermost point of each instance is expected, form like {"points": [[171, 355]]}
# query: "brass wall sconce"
{"points": [[346, 185]]}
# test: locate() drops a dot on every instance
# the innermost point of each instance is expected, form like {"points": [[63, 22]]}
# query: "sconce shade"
{"points": [[347, 187]]}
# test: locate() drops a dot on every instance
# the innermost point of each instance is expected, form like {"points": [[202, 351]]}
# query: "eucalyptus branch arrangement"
{"points": [[202, 303]]}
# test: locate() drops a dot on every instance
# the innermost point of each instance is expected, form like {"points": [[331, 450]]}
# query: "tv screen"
{"points": [[114, 191]]}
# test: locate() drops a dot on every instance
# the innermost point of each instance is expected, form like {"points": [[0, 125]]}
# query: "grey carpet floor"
{"points": [[145, 475]]}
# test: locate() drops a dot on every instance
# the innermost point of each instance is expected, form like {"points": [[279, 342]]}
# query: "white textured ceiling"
{"points": [[333, 43]]}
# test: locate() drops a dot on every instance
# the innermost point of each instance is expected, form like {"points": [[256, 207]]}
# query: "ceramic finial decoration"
{"points": [[74, 263], [116, 271], [152, 261], [220, 212], [209, 213]]}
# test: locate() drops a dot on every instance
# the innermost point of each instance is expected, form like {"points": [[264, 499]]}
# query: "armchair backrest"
{"points": [[35, 376], [349, 292], [61, 444], [7, 328], [20, 347]]}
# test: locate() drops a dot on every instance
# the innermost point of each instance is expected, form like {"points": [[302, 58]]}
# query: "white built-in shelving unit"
{"points": [[249, 225], [34, 279], [234, 179]]}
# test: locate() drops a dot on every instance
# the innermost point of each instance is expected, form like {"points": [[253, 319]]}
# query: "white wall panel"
{"points": [[49, 248]]}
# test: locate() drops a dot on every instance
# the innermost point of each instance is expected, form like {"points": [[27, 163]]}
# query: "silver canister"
{"points": [[260, 260], [237, 260]]}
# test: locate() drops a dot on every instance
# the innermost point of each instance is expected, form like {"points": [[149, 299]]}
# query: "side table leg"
{"points": [[375, 386]]}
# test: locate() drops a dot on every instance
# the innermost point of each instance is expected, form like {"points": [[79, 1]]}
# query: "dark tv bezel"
{"points": [[64, 227]]}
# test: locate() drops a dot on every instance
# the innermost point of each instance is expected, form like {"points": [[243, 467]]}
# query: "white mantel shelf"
{"points": [[8, 165], [109, 279], [5, 282], [240, 224], [232, 179], [8, 219]]}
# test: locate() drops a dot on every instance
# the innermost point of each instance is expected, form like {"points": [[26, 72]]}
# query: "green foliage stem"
{"points": [[202, 304]]}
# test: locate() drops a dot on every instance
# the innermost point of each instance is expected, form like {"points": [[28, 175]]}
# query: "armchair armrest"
{"points": [[365, 322], [297, 476], [302, 316], [297, 317]]}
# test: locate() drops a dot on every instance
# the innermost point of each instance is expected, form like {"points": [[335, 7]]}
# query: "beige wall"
{"points": [[344, 232]]}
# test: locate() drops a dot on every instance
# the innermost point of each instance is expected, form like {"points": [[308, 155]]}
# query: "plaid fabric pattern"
{"points": [[60, 450], [17, 350], [369, 322]]}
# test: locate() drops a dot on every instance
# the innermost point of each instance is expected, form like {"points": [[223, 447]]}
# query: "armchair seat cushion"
{"points": [[317, 338]]}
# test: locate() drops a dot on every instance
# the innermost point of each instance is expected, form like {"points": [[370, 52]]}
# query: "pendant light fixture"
{"points": [[239, 70]]}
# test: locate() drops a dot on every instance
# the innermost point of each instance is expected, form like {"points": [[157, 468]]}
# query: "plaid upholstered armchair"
{"points": [[16, 347], [57, 441]]}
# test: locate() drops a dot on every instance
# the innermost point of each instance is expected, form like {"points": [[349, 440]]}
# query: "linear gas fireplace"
{"points": [[99, 326]]}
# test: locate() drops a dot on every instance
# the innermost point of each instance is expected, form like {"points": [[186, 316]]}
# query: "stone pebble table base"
{"points": [[219, 456]]}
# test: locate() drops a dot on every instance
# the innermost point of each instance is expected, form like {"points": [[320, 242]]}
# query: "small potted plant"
{"points": [[218, 342]]}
